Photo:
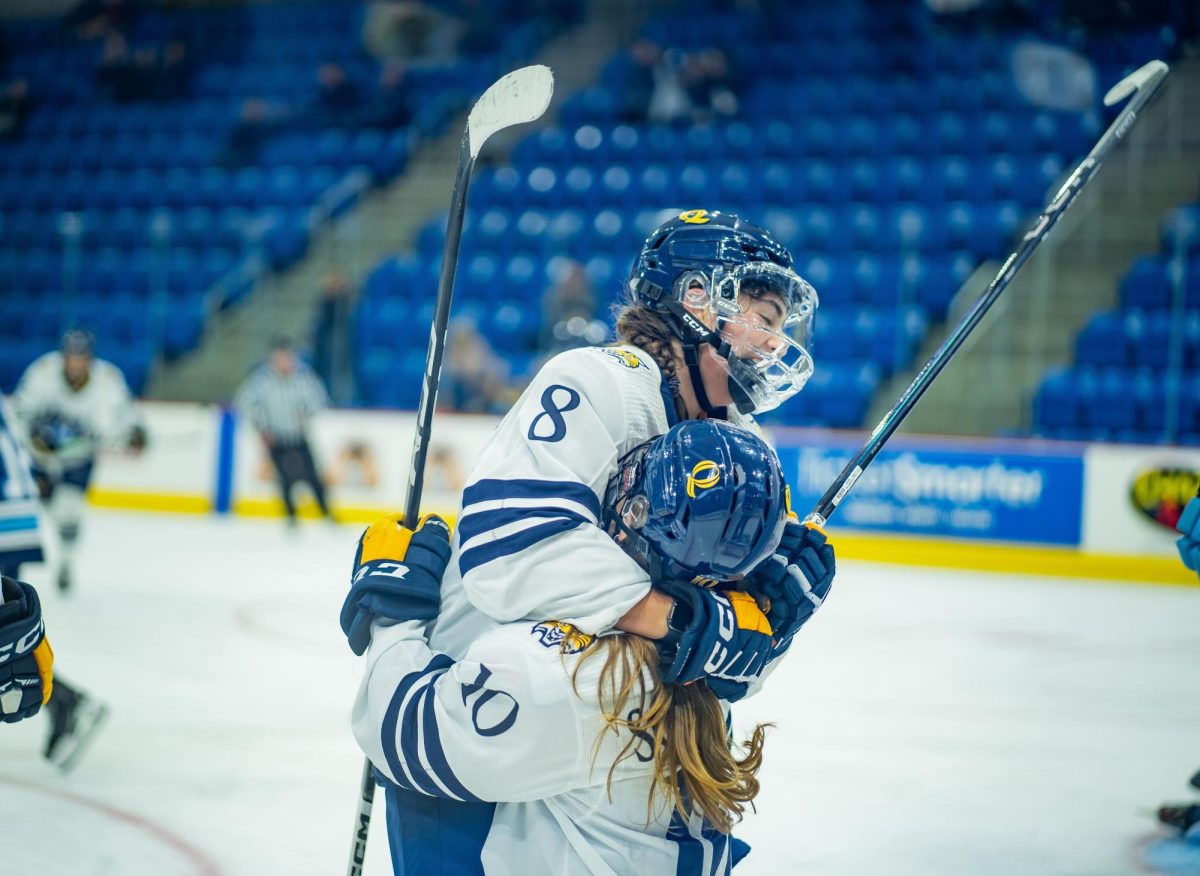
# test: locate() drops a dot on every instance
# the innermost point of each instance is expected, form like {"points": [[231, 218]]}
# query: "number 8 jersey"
{"points": [[527, 541]]}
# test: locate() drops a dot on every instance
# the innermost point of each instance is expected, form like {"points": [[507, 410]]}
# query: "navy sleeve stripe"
{"points": [[432, 742], [519, 541], [391, 719], [472, 525], [491, 489]]}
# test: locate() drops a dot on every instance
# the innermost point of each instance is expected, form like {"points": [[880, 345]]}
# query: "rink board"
{"points": [[1058, 508]]}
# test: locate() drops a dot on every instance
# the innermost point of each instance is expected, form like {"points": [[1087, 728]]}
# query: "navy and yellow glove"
{"points": [[796, 579], [721, 637], [26, 660], [397, 575]]}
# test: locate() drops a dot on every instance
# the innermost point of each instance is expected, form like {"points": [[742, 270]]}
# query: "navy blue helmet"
{"points": [[707, 500], [702, 270]]}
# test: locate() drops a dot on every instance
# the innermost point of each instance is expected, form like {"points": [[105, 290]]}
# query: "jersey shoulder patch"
{"points": [[560, 637]]}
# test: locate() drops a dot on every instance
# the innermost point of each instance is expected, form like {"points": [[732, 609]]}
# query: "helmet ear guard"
{"points": [[706, 501]]}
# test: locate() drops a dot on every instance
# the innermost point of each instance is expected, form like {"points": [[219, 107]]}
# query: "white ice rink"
{"points": [[928, 723]]}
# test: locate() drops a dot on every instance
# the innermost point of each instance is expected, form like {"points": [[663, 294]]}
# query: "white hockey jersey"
{"points": [[528, 547], [100, 414], [20, 540], [527, 543], [506, 723]]}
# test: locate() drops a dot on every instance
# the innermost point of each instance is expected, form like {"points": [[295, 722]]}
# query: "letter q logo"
{"points": [[705, 475]]}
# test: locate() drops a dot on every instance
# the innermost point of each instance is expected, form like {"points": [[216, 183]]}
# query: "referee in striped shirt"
{"points": [[279, 399]]}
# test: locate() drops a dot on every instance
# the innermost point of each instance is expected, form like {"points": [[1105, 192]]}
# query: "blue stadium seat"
{"points": [[1057, 404], [1104, 341], [1181, 229], [1146, 284]]}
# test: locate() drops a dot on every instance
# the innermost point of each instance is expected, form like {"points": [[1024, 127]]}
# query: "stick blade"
{"points": [[1149, 74], [515, 98]]}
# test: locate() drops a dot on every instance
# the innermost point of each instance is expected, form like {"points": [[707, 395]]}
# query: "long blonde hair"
{"points": [[694, 765]]}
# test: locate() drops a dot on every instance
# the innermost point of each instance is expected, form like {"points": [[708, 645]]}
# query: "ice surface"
{"points": [[928, 722]]}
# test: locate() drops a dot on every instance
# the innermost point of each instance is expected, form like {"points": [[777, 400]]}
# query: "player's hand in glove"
{"points": [[26, 660], [721, 637], [397, 575], [1189, 542], [796, 579]]}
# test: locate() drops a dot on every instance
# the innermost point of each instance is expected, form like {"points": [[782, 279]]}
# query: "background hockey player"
{"points": [[73, 405], [554, 723], [26, 660]]}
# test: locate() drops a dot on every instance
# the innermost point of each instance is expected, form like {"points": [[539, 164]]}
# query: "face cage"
{"points": [[766, 366]]}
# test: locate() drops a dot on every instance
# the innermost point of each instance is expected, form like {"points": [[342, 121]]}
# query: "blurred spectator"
{"points": [[644, 56], [339, 100], [389, 106], [670, 85], [669, 99], [568, 309], [15, 107], [475, 379], [258, 120], [145, 72], [332, 354], [279, 400], [709, 83], [410, 30]]}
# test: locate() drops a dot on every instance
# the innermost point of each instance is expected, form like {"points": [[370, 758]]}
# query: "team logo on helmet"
{"points": [[624, 357], [694, 217], [705, 475], [556, 634]]}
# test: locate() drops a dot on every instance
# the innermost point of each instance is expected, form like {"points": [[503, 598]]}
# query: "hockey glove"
{"points": [[1189, 543], [722, 638], [796, 579], [397, 575], [26, 660]]}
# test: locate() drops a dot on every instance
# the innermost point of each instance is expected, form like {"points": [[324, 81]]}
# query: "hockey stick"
{"points": [[1142, 84], [518, 97]]}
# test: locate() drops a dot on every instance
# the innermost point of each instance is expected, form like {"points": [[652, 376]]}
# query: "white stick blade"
{"points": [[1148, 73], [513, 99]]}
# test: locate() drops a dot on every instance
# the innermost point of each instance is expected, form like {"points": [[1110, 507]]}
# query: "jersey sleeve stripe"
{"points": [[435, 754], [515, 543], [491, 489], [475, 527], [404, 696]]}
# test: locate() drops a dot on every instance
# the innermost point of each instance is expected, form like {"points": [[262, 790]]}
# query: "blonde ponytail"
{"points": [[694, 766]]}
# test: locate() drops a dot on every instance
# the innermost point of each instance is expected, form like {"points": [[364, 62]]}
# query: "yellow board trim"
{"points": [[1006, 558], [1059, 562], [175, 503]]}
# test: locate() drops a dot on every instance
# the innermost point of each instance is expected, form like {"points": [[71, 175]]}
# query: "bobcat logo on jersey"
{"points": [[556, 634], [624, 357], [705, 475]]}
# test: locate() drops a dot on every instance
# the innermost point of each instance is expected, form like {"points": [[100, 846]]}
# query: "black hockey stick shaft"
{"points": [[520, 96], [1142, 85], [437, 334], [420, 449]]}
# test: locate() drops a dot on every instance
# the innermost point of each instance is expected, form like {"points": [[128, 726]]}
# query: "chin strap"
{"points": [[694, 334]]}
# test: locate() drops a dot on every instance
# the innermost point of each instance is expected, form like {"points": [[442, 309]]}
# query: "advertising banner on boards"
{"points": [[940, 489]]}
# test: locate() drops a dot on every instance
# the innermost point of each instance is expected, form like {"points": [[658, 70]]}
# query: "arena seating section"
{"points": [[857, 141], [134, 219], [1134, 374]]}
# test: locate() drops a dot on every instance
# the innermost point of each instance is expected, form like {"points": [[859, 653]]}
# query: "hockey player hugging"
{"points": [[516, 729]]}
